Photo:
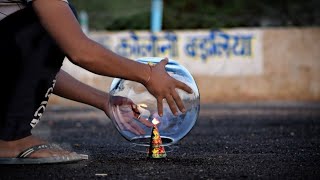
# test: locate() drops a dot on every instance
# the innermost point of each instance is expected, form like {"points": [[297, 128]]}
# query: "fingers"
{"points": [[178, 101], [174, 101], [163, 86], [126, 122], [145, 122], [172, 104], [164, 62], [134, 128], [160, 106], [184, 87], [135, 110], [130, 125]]}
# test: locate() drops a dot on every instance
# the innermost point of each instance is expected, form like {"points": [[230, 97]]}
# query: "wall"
{"points": [[283, 65]]}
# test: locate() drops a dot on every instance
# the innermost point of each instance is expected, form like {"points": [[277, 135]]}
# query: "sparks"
{"points": [[155, 121]]}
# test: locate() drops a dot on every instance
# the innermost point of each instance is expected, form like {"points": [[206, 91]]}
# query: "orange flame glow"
{"points": [[155, 121]]}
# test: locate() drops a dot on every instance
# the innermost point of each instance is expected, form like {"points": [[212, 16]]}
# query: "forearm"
{"points": [[99, 60], [58, 19], [70, 88]]}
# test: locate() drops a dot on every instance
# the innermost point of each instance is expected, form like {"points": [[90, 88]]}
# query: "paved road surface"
{"points": [[229, 141]]}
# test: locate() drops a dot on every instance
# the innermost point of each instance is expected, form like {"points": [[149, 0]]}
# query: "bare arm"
{"points": [[70, 88], [58, 19]]}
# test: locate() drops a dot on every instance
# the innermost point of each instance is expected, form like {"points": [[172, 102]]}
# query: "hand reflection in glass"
{"points": [[128, 115]]}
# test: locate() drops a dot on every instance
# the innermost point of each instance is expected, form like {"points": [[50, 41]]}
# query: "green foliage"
{"points": [[198, 14]]}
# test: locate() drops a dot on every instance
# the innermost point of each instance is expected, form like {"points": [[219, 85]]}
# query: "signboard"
{"points": [[216, 52]]}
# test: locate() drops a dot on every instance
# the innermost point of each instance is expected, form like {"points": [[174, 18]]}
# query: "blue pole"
{"points": [[84, 21], [156, 15]]}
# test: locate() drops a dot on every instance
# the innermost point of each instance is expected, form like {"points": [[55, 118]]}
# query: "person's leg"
{"points": [[30, 61]]}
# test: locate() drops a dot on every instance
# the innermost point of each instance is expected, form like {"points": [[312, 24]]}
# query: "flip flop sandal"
{"points": [[24, 156]]}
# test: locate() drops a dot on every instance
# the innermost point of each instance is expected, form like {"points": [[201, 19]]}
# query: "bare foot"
{"points": [[13, 148]]}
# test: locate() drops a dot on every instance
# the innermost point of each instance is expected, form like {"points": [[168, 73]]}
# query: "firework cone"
{"points": [[156, 150]]}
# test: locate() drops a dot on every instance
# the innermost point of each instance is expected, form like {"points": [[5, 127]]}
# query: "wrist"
{"points": [[101, 100], [147, 75], [106, 106]]}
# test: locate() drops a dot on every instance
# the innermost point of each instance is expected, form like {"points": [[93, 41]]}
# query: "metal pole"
{"points": [[84, 21], [156, 15]]}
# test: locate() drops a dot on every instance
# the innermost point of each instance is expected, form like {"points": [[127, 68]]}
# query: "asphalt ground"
{"points": [[229, 141]]}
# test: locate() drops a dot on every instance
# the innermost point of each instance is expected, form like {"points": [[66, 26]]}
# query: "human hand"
{"points": [[126, 114], [162, 86]]}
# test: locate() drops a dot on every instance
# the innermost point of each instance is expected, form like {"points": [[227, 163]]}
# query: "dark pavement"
{"points": [[229, 141]]}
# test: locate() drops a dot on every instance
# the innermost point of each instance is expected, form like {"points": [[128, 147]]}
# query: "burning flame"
{"points": [[155, 121]]}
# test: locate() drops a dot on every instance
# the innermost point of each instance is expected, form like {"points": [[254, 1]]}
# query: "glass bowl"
{"points": [[134, 115]]}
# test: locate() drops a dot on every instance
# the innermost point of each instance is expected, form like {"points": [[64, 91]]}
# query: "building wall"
{"points": [[291, 72]]}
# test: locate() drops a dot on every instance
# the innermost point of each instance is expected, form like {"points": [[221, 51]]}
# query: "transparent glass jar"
{"points": [[171, 128]]}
